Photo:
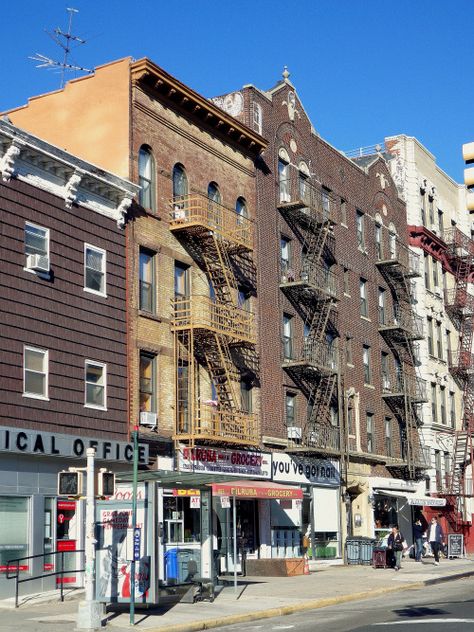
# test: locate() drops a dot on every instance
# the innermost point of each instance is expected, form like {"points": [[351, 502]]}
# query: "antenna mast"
{"points": [[65, 41]]}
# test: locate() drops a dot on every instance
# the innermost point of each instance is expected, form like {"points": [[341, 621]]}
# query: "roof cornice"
{"points": [[144, 72]]}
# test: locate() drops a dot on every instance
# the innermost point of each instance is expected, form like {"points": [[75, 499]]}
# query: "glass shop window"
{"points": [[182, 520], [13, 531]]}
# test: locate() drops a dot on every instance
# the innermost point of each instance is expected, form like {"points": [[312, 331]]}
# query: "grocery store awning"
{"points": [[413, 498], [257, 489]]}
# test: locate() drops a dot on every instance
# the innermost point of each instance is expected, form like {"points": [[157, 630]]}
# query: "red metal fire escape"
{"points": [[460, 308]]}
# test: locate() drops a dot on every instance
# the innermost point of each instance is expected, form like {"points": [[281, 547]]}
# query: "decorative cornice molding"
{"points": [[7, 163], [71, 186]]}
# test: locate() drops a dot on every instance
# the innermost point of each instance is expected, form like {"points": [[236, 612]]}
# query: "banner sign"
{"points": [[241, 463], [288, 469]]}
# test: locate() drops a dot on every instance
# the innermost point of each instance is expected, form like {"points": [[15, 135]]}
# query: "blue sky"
{"points": [[364, 69]]}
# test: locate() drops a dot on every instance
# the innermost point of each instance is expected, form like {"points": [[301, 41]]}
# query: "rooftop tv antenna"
{"points": [[66, 41]]}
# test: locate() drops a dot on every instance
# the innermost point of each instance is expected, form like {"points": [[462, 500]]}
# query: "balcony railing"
{"points": [[314, 202], [460, 361], [397, 255], [201, 312], [311, 353], [221, 426], [402, 319], [397, 384], [198, 211], [313, 276], [323, 436]]}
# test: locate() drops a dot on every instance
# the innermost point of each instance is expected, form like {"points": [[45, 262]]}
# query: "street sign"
{"points": [[225, 502], [455, 545], [136, 544]]}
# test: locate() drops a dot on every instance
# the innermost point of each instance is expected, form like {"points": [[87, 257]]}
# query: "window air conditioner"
{"points": [[148, 419], [294, 432], [37, 262]]}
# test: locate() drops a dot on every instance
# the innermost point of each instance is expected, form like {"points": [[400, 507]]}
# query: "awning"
{"points": [[257, 489], [413, 498]]}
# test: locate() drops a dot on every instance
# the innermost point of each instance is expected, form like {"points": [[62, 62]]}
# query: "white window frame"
{"points": [[103, 366], [257, 117], [45, 353], [46, 230], [102, 252]]}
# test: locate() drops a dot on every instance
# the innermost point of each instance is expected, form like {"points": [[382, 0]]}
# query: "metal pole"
{"points": [[234, 529], [134, 522]]}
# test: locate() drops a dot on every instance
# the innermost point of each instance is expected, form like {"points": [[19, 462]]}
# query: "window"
{"points": [[290, 412], [388, 436], [35, 372], [434, 265], [392, 242], [440, 221], [348, 349], [180, 182], [285, 254], [343, 212], [287, 336], [366, 361], [350, 421], [36, 247], [448, 344], [241, 209], [384, 361], [452, 405], [257, 118], [364, 306], [147, 281], [246, 396], [431, 210], [147, 382], [426, 261], [181, 280], [447, 468], [183, 396], [423, 209], [439, 340], [243, 298], [303, 177], [146, 177], [381, 306], [326, 202], [15, 523], [95, 379], [378, 242], [347, 281], [442, 393], [283, 175], [370, 432], [429, 320], [94, 269], [360, 230], [438, 468], [434, 404]]}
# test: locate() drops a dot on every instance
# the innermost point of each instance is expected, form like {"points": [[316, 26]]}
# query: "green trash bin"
{"points": [[353, 551]]}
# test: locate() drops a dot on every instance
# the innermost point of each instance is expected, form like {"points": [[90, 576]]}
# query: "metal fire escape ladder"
{"points": [[219, 269], [222, 372]]}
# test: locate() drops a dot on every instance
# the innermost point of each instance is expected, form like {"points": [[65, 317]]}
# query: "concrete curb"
{"points": [[314, 604]]}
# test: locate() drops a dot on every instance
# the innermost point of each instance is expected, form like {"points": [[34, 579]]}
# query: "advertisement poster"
{"points": [[113, 559]]}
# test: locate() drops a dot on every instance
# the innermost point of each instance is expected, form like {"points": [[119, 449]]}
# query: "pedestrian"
{"points": [[395, 544], [435, 538], [418, 538]]}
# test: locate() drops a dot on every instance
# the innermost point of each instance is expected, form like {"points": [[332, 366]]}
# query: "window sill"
{"points": [[89, 291], [369, 320], [350, 365], [369, 386], [346, 294], [150, 315], [345, 225], [42, 275], [44, 398], [92, 407]]}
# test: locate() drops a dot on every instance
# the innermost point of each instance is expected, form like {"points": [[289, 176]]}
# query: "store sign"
{"points": [[309, 471], [427, 502], [195, 502], [18, 441], [235, 462]]}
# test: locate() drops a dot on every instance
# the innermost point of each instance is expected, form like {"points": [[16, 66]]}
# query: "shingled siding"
{"points": [[58, 315]]}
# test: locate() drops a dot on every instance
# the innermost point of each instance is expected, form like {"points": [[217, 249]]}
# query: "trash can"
{"points": [[171, 566], [359, 550]]}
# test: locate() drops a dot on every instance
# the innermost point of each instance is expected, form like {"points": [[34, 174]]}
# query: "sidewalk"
{"points": [[264, 597]]}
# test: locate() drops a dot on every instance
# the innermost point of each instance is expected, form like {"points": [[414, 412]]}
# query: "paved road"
{"points": [[445, 607]]}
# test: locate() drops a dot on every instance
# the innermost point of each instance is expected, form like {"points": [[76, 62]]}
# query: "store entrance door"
{"points": [[247, 534]]}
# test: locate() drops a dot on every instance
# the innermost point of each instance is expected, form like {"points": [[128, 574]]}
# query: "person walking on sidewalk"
{"points": [[435, 538], [395, 544], [418, 538]]}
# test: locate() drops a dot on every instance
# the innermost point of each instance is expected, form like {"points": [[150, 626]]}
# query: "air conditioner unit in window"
{"points": [[148, 419], [294, 432], [37, 262]]}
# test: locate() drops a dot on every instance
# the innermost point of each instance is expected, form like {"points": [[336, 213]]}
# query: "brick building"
{"points": [[63, 383], [338, 355]]}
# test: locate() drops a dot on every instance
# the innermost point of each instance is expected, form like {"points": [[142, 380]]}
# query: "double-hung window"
{"points": [[285, 254], [94, 270], [290, 402], [36, 247], [146, 177], [147, 280], [360, 233], [147, 382], [364, 305], [366, 361], [388, 436], [95, 384], [370, 432], [287, 336], [35, 373]]}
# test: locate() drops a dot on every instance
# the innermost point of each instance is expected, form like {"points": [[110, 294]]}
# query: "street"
{"points": [[448, 607]]}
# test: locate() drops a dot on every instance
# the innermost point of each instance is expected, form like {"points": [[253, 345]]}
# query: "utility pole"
{"points": [[89, 615]]}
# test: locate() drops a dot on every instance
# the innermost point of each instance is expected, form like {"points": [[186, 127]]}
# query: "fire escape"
{"points": [[208, 329], [402, 389], [312, 361], [460, 308]]}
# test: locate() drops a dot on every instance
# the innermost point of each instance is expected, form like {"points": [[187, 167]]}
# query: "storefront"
{"points": [[33, 520], [319, 512]]}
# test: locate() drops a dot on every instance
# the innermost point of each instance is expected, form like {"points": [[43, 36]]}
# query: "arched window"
{"points": [[378, 236], [303, 177], [283, 175], [180, 181], [392, 241], [241, 209], [146, 177], [213, 192]]}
